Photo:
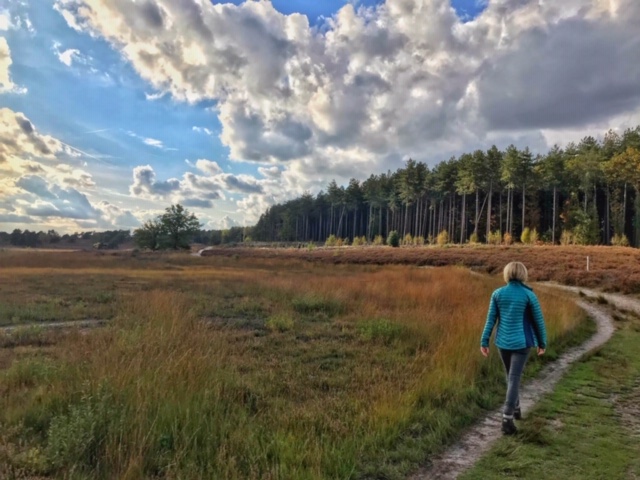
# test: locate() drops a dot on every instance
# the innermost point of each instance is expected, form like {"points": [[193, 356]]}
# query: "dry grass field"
{"points": [[613, 269], [242, 367]]}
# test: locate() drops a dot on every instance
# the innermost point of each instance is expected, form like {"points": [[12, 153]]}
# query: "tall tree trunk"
{"points": [[331, 221], [339, 232], [426, 218], [450, 226], [417, 220], [489, 211], [553, 222], [355, 221], [346, 227], [463, 222], [387, 230], [511, 215], [636, 215], [624, 210], [607, 240], [524, 204], [501, 225], [454, 210], [506, 230], [406, 220], [475, 228], [432, 213]]}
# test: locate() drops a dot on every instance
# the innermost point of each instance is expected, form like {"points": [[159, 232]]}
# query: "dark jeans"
{"points": [[514, 362]]}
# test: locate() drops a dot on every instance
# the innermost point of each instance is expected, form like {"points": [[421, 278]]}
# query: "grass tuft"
{"points": [[280, 322], [310, 304], [380, 330]]}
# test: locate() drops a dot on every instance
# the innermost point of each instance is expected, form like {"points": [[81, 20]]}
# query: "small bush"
{"points": [[431, 239], [534, 237], [331, 241], [408, 239], [393, 239], [311, 246], [525, 237], [104, 297], [507, 239], [359, 241], [310, 303], [28, 373], [495, 238], [473, 238], [380, 330], [443, 238], [77, 438], [379, 240], [620, 240], [280, 322], [418, 240], [566, 238], [624, 241]]}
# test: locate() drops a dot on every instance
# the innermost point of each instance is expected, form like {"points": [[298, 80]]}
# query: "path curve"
{"points": [[479, 439]]}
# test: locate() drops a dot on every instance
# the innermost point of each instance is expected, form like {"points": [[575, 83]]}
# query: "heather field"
{"points": [[243, 365], [612, 269]]}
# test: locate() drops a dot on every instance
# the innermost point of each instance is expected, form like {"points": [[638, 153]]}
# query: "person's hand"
{"points": [[484, 351], [541, 351]]}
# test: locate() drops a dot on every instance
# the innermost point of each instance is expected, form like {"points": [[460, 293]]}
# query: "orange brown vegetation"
{"points": [[233, 367], [614, 269]]}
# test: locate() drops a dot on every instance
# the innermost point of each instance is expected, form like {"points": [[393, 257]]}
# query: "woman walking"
{"points": [[516, 310]]}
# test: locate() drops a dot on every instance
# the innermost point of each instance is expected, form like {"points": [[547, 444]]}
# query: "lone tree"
{"points": [[173, 229], [149, 235]]}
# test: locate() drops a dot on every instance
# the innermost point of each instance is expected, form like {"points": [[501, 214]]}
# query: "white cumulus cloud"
{"points": [[372, 85], [6, 83]]}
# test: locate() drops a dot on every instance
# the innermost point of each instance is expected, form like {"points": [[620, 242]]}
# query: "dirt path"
{"points": [[51, 325], [479, 439]]}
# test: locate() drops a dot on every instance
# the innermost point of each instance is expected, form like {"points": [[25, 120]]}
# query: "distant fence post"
{"points": [[587, 264]]}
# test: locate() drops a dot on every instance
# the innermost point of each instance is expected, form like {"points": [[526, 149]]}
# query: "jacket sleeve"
{"points": [[492, 317], [538, 321]]}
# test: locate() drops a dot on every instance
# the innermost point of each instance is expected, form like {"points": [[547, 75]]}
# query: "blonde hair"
{"points": [[515, 271]]}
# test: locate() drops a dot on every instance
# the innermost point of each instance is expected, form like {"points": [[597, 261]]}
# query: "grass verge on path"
{"points": [[588, 429]]}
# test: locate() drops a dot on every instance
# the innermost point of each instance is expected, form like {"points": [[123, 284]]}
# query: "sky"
{"points": [[112, 110]]}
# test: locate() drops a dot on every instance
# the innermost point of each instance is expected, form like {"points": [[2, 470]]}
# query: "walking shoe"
{"points": [[508, 427], [517, 414]]}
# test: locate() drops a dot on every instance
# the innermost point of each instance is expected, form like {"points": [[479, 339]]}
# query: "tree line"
{"points": [[34, 239], [154, 235], [584, 193]]}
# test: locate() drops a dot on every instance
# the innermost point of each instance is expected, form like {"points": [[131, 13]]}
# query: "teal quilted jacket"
{"points": [[516, 310]]}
